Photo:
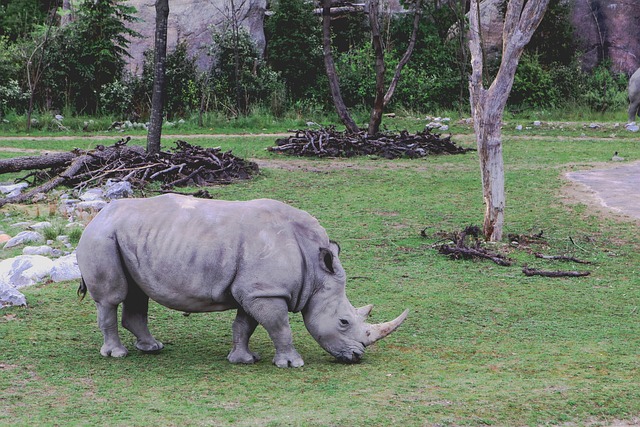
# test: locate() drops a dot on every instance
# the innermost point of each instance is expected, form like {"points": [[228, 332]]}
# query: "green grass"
{"points": [[483, 344]]}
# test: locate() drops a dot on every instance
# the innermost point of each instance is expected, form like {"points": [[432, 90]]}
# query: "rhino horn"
{"points": [[380, 330], [363, 312]]}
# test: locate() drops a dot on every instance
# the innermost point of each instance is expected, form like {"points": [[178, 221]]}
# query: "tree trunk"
{"points": [[376, 41], [332, 75], [407, 54], [487, 105], [160, 59]]}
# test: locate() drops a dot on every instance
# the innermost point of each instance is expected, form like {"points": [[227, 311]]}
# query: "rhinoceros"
{"points": [[262, 257]]}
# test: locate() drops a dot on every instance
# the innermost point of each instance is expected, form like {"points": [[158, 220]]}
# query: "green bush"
{"points": [[604, 90]]}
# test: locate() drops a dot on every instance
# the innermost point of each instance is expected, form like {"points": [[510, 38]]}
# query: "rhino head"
{"points": [[340, 328]]}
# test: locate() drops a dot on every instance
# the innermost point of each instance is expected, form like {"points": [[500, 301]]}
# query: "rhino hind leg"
{"points": [[243, 327], [134, 319], [634, 109]]}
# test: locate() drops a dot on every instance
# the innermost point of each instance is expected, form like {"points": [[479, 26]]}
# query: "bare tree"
{"points": [[332, 74], [160, 59], [487, 104], [382, 98]]}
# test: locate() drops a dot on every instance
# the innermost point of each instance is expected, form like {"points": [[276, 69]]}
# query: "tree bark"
{"points": [[332, 75], [376, 41], [160, 59], [407, 54], [487, 105]]}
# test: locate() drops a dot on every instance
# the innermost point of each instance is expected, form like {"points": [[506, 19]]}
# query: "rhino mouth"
{"points": [[349, 357]]}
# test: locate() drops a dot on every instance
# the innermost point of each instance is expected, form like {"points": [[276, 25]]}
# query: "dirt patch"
{"points": [[608, 189]]}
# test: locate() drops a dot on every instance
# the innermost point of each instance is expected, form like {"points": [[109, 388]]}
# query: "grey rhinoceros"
{"points": [[261, 257], [634, 96]]}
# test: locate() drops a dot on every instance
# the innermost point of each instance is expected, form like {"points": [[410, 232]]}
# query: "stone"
{"points": [[40, 225], [12, 190], [92, 195], [65, 268], [94, 205], [4, 238], [11, 296], [24, 270], [632, 127], [118, 189], [24, 237], [37, 250]]}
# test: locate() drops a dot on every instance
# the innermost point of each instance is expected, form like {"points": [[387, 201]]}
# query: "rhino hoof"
{"points": [[288, 362], [246, 358], [152, 348], [113, 352]]}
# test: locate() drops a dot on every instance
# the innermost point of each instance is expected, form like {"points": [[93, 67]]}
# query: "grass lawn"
{"points": [[483, 344]]}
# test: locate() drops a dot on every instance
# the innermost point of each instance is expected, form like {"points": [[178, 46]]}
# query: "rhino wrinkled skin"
{"points": [[260, 257], [634, 96]]}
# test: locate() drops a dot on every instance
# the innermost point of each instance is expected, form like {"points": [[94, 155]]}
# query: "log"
{"points": [[545, 273], [46, 161]]}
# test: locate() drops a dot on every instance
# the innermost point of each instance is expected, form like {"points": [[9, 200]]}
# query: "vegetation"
{"points": [[483, 345], [82, 74]]}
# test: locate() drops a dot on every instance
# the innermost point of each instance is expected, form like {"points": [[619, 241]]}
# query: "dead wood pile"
{"points": [[185, 164], [328, 142]]}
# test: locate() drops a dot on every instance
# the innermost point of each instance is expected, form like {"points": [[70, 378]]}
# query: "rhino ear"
{"points": [[326, 260]]}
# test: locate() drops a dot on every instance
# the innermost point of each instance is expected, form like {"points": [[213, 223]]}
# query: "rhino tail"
{"points": [[82, 289]]}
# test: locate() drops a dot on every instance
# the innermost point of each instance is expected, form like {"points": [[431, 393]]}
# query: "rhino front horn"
{"points": [[381, 330]]}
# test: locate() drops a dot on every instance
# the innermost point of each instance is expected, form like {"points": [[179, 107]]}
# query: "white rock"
{"points": [[13, 190], [37, 250], [24, 270], [537, 123], [632, 127], [10, 296], [40, 225], [24, 237], [92, 194], [94, 205], [65, 268], [519, 127], [118, 189]]}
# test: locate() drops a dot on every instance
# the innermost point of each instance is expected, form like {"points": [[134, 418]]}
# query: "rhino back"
{"points": [[200, 255]]}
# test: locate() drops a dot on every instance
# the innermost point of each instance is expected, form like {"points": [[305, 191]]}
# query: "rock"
{"points": [[632, 127], [537, 123], [37, 250], [13, 190], [10, 296], [94, 205], [118, 189], [4, 238], [519, 127], [24, 237], [92, 195], [24, 270], [40, 225], [65, 268]]}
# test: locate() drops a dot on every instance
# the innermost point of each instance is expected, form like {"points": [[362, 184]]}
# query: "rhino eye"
{"points": [[344, 322]]}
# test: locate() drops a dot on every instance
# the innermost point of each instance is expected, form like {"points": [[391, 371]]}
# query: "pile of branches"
{"points": [[185, 164], [328, 142]]}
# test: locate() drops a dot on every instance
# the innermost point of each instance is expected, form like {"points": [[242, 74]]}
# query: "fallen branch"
{"points": [[545, 273], [458, 252], [562, 258]]}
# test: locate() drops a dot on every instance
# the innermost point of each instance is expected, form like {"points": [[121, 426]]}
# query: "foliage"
{"points": [[294, 46], [18, 18], [239, 75], [182, 83], [604, 90]]}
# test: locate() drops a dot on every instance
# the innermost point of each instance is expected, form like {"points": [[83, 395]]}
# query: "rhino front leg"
{"points": [[273, 315], [134, 318], [108, 324], [243, 327]]}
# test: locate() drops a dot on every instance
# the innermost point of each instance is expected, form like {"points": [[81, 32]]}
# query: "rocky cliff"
{"points": [[192, 21], [603, 28]]}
